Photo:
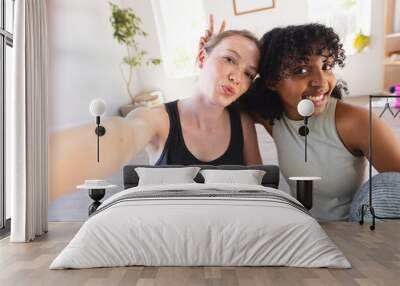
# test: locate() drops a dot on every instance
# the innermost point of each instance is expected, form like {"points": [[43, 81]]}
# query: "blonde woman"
{"points": [[203, 129]]}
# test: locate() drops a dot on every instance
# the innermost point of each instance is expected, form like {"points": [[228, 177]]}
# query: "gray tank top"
{"points": [[342, 173]]}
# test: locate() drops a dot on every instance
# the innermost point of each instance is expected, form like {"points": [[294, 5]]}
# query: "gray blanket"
{"points": [[207, 194]]}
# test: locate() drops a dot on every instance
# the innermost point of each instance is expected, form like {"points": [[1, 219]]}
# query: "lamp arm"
{"points": [[100, 131]]}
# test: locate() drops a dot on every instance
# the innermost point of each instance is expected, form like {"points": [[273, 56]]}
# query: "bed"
{"points": [[201, 224]]}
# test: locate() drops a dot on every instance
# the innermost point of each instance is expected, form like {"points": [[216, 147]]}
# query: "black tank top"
{"points": [[175, 151]]}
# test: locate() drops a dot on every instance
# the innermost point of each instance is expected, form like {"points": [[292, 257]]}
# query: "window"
{"points": [[179, 33], [346, 17], [6, 43]]}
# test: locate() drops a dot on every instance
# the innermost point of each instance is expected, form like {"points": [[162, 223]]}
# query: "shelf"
{"points": [[391, 76], [392, 36], [392, 43], [384, 93], [388, 62]]}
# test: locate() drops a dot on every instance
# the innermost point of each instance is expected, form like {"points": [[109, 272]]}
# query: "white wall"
{"points": [[84, 58], [83, 61], [396, 24], [154, 78], [363, 72]]}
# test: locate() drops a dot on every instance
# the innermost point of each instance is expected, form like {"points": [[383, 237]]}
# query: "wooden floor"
{"points": [[374, 255]]}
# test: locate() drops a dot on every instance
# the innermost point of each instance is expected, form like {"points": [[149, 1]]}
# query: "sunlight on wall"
{"points": [[346, 17], [179, 33]]}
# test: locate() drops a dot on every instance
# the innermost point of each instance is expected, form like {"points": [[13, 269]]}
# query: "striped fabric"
{"points": [[385, 197]]}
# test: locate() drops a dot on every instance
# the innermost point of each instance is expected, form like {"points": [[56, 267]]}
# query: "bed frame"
{"points": [[270, 179]]}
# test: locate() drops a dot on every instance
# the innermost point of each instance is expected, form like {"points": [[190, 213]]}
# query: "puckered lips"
{"points": [[228, 90]]}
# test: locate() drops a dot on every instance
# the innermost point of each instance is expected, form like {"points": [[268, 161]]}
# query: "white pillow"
{"points": [[164, 176], [249, 177]]}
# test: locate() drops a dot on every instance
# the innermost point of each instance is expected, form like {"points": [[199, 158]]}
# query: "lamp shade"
{"points": [[97, 107], [305, 107]]}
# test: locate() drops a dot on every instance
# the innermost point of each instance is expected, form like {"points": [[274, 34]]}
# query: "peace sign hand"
{"points": [[209, 33]]}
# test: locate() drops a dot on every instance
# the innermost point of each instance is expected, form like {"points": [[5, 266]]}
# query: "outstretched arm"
{"points": [[72, 152]]}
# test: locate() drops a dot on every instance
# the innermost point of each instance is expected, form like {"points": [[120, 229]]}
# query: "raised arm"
{"points": [[208, 34], [72, 152]]}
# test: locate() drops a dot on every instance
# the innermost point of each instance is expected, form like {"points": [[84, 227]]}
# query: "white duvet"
{"points": [[183, 231]]}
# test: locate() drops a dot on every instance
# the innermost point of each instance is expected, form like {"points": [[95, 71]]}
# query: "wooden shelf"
{"points": [[392, 44], [391, 75], [391, 67], [389, 62], [392, 36], [384, 93]]}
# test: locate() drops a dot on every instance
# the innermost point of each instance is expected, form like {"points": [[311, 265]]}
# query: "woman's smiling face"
{"points": [[313, 80]]}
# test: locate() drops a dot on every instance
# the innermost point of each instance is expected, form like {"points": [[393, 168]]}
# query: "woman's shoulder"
{"points": [[246, 118], [154, 117], [350, 114], [352, 123], [155, 112], [266, 123]]}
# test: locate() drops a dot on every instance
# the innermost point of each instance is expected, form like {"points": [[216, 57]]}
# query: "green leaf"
{"points": [[126, 25], [126, 31]]}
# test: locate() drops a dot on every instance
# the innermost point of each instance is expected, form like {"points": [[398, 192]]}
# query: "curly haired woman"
{"points": [[297, 62]]}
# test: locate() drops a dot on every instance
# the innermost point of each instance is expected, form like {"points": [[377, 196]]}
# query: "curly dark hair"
{"points": [[282, 50]]}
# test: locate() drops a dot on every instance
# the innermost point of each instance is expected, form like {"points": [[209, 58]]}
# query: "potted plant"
{"points": [[126, 25]]}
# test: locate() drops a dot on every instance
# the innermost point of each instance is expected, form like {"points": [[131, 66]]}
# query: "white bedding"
{"points": [[181, 231]]}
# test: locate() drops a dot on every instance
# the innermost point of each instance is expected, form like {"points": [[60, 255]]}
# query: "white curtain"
{"points": [[27, 123]]}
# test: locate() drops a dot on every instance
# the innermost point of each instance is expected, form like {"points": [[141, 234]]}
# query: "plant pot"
{"points": [[150, 99]]}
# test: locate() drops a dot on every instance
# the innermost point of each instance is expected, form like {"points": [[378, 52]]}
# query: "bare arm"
{"points": [[72, 152], [264, 123], [354, 131], [251, 149]]}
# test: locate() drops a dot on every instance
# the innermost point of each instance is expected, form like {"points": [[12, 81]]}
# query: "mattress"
{"points": [[201, 225]]}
